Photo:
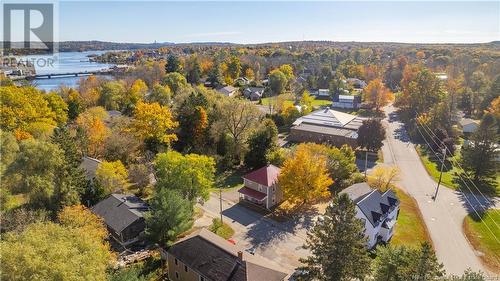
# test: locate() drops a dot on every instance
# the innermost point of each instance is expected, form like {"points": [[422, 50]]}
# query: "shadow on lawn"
{"points": [[474, 201]]}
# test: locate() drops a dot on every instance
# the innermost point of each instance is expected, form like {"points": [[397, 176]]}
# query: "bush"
{"points": [[221, 229]]}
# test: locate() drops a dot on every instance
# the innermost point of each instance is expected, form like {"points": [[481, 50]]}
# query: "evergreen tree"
{"points": [[337, 244], [260, 143], [479, 156], [428, 267], [194, 74], [171, 214], [173, 64]]}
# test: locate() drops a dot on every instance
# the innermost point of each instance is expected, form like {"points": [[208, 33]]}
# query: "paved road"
{"points": [[444, 216]]}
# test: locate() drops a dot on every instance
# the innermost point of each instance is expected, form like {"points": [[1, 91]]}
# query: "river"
{"points": [[66, 62]]}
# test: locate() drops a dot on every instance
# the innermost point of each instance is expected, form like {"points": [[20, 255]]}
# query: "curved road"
{"points": [[444, 216]]}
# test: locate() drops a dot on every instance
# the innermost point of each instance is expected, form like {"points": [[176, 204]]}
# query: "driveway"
{"points": [[278, 242], [444, 216]]}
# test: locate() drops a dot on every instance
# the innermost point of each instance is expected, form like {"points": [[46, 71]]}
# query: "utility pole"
{"points": [[440, 174], [366, 162], [220, 203]]}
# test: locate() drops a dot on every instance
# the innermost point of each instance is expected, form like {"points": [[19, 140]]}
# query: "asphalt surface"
{"points": [[444, 216]]}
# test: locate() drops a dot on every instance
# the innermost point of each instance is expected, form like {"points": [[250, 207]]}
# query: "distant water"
{"points": [[66, 62]]}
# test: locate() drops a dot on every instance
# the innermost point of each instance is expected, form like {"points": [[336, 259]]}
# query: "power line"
{"points": [[459, 175], [467, 199]]}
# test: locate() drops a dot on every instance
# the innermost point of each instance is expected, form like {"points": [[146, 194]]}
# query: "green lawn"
{"points": [[223, 230], [229, 180], [450, 172], [410, 229], [316, 102], [482, 239]]}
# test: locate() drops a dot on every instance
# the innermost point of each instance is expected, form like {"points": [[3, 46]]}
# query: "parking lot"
{"points": [[280, 242]]}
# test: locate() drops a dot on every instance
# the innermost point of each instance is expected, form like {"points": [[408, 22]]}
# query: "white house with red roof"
{"points": [[261, 187]]}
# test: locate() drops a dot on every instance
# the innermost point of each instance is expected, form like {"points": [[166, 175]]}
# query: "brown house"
{"points": [[261, 187], [205, 256], [326, 126], [123, 215]]}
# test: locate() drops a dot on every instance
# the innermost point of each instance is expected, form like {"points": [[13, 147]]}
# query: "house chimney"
{"points": [[240, 255]]}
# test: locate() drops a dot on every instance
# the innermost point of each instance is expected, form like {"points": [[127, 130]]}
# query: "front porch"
{"points": [[253, 196]]}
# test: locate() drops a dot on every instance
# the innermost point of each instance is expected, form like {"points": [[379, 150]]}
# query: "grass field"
{"points": [[483, 239], [410, 228], [229, 180], [223, 230], [316, 102], [449, 179]]}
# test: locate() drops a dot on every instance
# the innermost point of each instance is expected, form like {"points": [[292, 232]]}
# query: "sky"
{"points": [[263, 22]]}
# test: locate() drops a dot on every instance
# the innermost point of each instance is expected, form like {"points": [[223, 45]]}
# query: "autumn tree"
{"points": [[371, 134], [154, 122], [262, 142], [160, 94], [306, 103], [25, 111], [337, 244], [175, 82], [42, 172], [192, 175], [93, 131], [171, 214], [340, 163], [383, 177], [137, 92], [50, 251], [424, 91], [112, 95], [304, 177], [58, 106], [277, 81], [112, 176], [237, 119], [377, 94]]}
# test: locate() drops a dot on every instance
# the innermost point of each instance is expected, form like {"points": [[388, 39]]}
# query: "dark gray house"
{"points": [[124, 217]]}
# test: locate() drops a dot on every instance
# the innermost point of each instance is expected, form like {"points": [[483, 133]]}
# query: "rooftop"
{"points": [[217, 259], [373, 203], [331, 118], [120, 210], [266, 175]]}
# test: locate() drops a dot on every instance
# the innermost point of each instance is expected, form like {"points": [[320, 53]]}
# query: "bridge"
{"points": [[69, 74]]}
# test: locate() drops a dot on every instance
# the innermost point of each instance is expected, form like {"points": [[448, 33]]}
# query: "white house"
{"points": [[346, 101], [379, 211], [227, 91], [469, 125]]}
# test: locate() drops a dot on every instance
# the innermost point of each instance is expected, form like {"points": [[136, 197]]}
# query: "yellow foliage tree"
{"points": [[377, 94], [384, 176], [153, 121], [92, 123], [113, 176], [495, 107], [304, 177], [79, 216]]}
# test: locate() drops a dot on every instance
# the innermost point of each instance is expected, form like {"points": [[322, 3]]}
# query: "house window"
{"points": [[177, 275], [274, 189], [176, 262], [185, 268], [202, 278]]}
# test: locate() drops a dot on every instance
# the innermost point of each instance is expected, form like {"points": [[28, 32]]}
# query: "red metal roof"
{"points": [[252, 193], [266, 175]]}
